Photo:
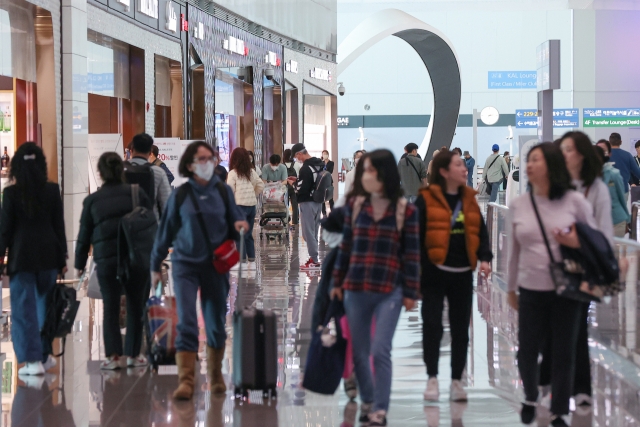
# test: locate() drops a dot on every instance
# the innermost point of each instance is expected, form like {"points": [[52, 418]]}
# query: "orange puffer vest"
{"points": [[439, 224]]}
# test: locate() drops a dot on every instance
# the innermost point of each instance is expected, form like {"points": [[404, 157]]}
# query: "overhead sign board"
{"points": [[611, 117], [562, 118], [320, 74], [512, 79]]}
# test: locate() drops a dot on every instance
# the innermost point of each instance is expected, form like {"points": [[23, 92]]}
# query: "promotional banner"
{"points": [[98, 144], [169, 151]]}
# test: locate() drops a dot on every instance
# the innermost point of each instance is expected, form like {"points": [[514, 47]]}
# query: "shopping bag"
{"points": [[93, 287], [325, 362]]}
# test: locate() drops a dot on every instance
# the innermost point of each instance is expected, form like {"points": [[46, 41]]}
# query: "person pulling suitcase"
{"points": [[200, 220]]}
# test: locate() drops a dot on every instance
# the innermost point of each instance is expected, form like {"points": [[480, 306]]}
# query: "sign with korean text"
{"points": [[171, 22], [320, 74], [562, 118], [235, 45], [148, 7], [610, 117], [512, 79]]}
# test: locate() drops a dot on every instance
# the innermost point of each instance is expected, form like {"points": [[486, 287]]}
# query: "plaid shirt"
{"points": [[374, 257]]}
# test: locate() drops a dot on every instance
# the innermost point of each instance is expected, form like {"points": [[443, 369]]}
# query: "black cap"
{"points": [[297, 148], [411, 146]]}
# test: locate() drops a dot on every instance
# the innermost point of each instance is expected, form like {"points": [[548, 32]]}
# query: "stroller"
{"points": [[274, 219]]}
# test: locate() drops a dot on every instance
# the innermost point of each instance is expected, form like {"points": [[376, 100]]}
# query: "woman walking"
{"points": [[329, 166], [99, 225], [32, 230], [245, 185], [192, 267], [613, 180], [293, 169], [454, 238], [585, 168], [380, 226], [545, 318]]}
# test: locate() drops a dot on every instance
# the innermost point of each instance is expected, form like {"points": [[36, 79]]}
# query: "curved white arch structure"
{"points": [[437, 54]]}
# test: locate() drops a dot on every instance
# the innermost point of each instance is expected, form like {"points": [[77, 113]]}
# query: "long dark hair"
{"points": [[591, 163], [287, 156], [252, 159], [441, 161], [29, 174], [241, 163], [111, 168], [385, 163], [559, 177], [189, 156], [358, 189]]}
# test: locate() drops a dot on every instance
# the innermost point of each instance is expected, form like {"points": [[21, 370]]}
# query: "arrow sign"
{"points": [[570, 118]]}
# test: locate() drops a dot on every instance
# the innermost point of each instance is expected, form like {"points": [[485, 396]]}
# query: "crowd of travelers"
{"points": [[403, 231]]}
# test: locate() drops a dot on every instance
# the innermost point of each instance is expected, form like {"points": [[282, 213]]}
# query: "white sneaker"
{"points": [[457, 392], [251, 265], [32, 368], [432, 393], [111, 363], [583, 399], [50, 363], [133, 362]]}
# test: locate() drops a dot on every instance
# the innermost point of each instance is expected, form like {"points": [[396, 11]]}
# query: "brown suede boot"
{"points": [[186, 361], [214, 370]]}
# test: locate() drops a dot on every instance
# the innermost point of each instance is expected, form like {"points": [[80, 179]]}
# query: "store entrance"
{"points": [[234, 115], [272, 141]]}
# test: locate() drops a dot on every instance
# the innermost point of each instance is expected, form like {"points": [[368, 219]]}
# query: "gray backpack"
{"points": [[323, 189]]}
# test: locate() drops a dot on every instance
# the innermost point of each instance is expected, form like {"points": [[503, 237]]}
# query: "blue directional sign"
{"points": [[562, 118], [527, 119], [512, 79]]}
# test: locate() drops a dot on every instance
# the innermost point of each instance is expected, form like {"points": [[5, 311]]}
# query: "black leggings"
{"points": [[582, 378], [548, 321], [137, 292], [458, 289]]}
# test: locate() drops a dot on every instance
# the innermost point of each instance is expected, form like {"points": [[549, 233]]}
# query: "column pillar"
{"points": [[75, 177]]}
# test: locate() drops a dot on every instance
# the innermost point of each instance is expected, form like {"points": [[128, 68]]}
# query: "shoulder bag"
{"points": [[487, 184], [567, 275], [226, 255]]}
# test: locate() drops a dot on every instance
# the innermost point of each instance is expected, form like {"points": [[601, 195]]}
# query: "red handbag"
{"points": [[226, 255]]}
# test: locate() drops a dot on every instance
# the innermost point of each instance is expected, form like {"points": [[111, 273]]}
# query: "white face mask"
{"points": [[274, 168], [325, 156], [204, 171]]}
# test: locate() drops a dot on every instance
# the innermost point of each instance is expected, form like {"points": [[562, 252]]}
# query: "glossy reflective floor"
{"points": [[77, 393]]}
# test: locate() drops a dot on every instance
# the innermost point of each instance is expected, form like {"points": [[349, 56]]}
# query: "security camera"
{"points": [[341, 89], [241, 73], [269, 73]]}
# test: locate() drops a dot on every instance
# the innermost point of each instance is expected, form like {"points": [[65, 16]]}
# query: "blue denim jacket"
{"points": [[181, 230]]}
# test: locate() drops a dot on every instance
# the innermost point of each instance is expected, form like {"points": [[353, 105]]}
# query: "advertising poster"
{"points": [[169, 151], [98, 144], [7, 138]]}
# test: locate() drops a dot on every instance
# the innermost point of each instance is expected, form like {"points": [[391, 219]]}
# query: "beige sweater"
{"points": [[245, 190]]}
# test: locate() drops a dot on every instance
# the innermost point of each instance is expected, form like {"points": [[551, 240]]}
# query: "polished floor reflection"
{"points": [[79, 394]]}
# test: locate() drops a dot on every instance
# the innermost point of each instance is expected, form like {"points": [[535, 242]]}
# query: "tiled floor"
{"points": [[79, 394]]}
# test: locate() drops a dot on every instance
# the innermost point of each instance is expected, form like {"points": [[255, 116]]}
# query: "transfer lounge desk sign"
{"points": [[610, 117]]}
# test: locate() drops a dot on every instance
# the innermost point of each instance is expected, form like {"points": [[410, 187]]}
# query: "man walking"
{"points": [[413, 173], [471, 163], [495, 171], [304, 186], [152, 179], [623, 161], [154, 160]]}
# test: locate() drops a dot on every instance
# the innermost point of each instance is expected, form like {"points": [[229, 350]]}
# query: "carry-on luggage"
{"points": [[255, 347], [161, 322]]}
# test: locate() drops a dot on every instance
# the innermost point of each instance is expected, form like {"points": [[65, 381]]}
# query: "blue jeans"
{"points": [[29, 294], [360, 308], [249, 213], [495, 187], [214, 290]]}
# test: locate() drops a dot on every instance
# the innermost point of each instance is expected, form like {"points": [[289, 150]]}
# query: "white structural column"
{"points": [[75, 176]]}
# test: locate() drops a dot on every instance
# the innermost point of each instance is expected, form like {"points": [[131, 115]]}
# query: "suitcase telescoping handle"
{"points": [[241, 250]]}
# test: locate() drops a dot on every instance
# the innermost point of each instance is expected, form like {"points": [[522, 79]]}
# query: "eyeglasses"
{"points": [[204, 159]]}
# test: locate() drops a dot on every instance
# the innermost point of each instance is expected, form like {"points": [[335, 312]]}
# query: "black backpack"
{"points": [[62, 308], [143, 176], [136, 236], [323, 188], [291, 171]]}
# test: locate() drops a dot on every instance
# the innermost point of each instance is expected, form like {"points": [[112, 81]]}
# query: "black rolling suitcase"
{"points": [[255, 347]]}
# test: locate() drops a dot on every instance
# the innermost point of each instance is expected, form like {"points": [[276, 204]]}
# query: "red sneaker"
{"points": [[310, 265]]}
